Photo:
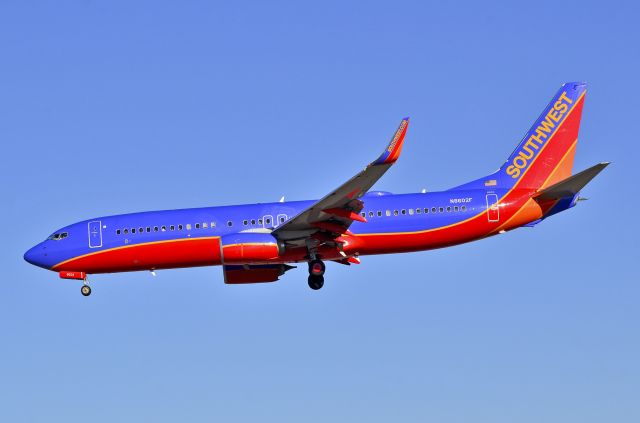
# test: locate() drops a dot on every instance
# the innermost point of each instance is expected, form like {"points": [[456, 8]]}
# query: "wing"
{"points": [[334, 213]]}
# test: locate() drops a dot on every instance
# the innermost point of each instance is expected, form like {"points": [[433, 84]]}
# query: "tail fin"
{"points": [[545, 154]]}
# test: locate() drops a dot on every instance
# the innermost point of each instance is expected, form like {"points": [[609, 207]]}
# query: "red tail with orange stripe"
{"points": [[545, 154]]}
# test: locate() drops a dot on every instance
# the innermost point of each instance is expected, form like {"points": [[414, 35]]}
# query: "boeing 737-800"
{"points": [[258, 242]]}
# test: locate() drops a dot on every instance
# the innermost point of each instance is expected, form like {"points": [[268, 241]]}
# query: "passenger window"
{"points": [[172, 228], [455, 208], [126, 231], [433, 209], [164, 228], [229, 223], [282, 220], [411, 212], [448, 208], [395, 212], [363, 214], [441, 209], [204, 225], [244, 222], [426, 210], [148, 228], [404, 211], [155, 229], [213, 224], [379, 213], [118, 232], [464, 208], [370, 214], [188, 226], [179, 227], [259, 221], [133, 230], [253, 221], [418, 211], [197, 226], [388, 212], [268, 221]]}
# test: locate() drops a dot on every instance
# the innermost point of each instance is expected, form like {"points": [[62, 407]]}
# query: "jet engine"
{"points": [[247, 248]]}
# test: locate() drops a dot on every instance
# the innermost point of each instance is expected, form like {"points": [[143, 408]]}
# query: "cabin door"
{"points": [[95, 234], [493, 211]]}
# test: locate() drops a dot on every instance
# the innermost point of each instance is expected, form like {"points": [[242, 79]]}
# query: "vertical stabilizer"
{"points": [[545, 155]]}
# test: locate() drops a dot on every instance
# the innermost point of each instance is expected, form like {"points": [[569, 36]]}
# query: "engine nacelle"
{"points": [[248, 247]]}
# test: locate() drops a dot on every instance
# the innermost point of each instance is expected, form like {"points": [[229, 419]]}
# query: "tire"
{"points": [[316, 282], [85, 290]]}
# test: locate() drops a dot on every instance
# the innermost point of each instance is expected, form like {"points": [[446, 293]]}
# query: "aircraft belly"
{"points": [[189, 252]]}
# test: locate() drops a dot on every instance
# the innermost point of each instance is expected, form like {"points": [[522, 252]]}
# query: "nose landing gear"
{"points": [[316, 274], [85, 290]]}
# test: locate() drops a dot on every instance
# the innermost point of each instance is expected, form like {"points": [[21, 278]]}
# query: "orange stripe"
{"points": [[559, 167], [522, 210]]}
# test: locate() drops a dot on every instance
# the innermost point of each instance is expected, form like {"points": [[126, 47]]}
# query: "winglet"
{"points": [[392, 152]]}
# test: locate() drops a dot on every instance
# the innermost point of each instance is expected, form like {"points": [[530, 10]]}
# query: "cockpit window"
{"points": [[58, 236]]}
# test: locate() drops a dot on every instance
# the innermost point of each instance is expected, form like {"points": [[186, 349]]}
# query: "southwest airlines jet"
{"points": [[257, 242]]}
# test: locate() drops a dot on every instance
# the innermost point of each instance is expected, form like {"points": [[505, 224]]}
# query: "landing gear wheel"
{"points": [[316, 268], [85, 290], [316, 282]]}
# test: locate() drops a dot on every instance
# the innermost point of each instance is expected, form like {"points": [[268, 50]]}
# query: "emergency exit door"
{"points": [[95, 234], [493, 210]]}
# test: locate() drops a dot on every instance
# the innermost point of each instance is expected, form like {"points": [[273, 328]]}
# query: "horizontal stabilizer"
{"points": [[570, 186]]}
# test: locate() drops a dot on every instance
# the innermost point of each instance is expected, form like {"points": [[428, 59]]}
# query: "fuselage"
{"points": [[191, 237], [254, 242]]}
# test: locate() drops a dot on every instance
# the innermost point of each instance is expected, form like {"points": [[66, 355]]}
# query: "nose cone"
{"points": [[36, 256]]}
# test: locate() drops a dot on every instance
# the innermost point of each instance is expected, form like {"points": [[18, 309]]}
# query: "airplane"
{"points": [[257, 243]]}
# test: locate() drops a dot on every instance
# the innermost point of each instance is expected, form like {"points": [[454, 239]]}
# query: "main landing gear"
{"points": [[316, 274]]}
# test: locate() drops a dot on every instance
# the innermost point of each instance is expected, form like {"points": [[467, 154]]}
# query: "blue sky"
{"points": [[115, 107]]}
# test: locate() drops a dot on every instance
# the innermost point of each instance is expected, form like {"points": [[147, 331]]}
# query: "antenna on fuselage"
{"points": [[281, 199], [424, 190]]}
